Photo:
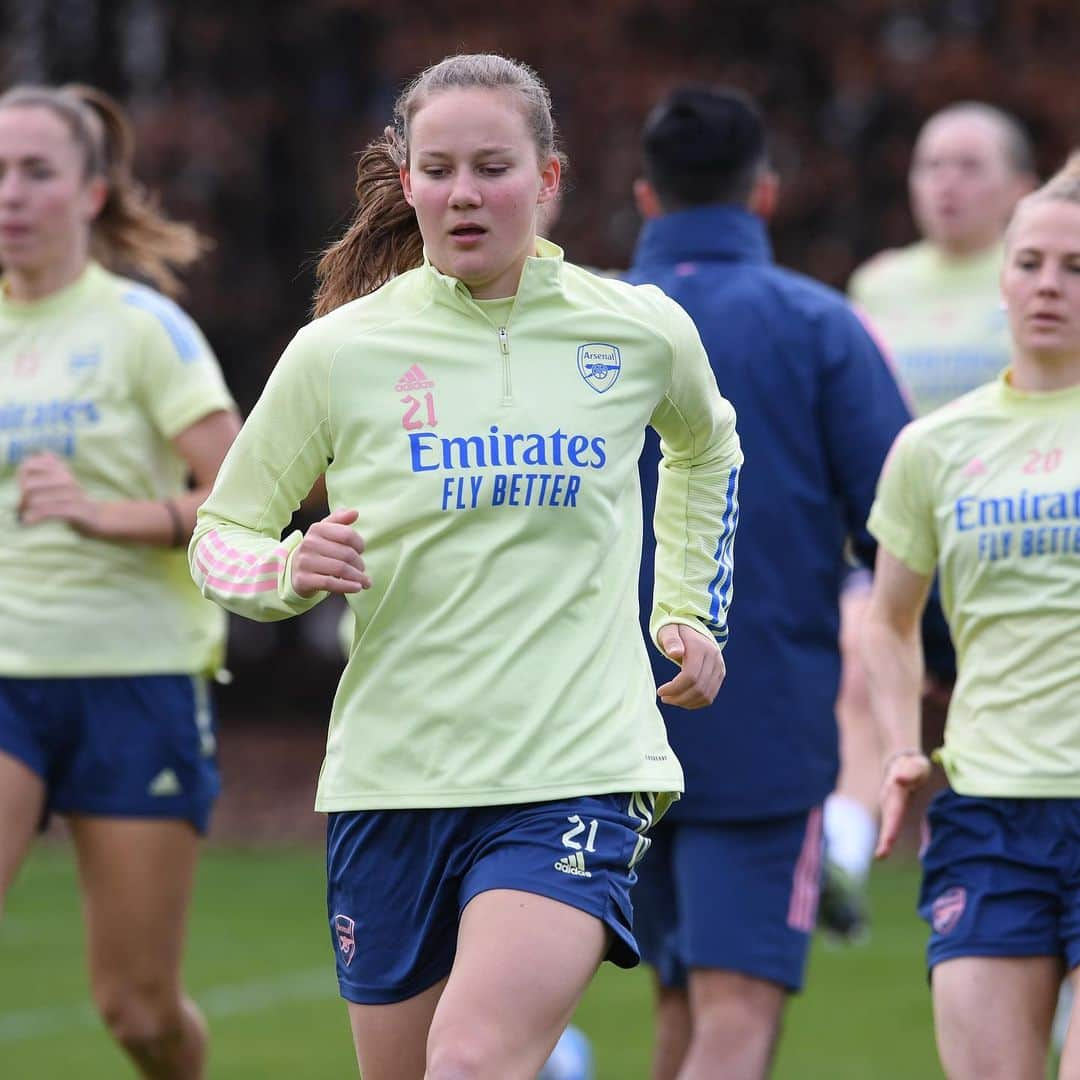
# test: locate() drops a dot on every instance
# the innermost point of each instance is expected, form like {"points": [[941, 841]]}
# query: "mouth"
{"points": [[467, 231], [1045, 318]]}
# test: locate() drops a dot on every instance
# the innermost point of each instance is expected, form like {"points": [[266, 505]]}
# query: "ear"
{"points": [[550, 175], [95, 193], [406, 184], [646, 200], [764, 195]]}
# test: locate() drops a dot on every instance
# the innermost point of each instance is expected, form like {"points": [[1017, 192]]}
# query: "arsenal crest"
{"points": [[599, 365], [345, 928], [946, 910]]}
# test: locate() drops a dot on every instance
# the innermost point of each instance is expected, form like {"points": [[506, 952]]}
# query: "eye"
{"points": [[39, 172], [493, 170], [1026, 262], [435, 171]]}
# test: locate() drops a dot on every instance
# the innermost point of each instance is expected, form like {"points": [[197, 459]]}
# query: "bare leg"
{"points": [[391, 1040], [993, 1014], [1069, 1066], [860, 747], [673, 1030], [523, 962], [736, 1022], [137, 878], [22, 800]]}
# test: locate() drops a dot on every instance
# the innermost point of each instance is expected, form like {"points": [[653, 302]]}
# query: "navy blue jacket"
{"points": [[817, 411]]}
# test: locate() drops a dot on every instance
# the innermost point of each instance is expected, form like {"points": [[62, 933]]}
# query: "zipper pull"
{"points": [[504, 341]]}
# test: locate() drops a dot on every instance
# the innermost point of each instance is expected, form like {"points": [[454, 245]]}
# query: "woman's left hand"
{"points": [[48, 491], [702, 666]]}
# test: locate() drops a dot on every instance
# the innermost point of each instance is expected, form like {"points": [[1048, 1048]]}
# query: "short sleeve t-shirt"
{"points": [[987, 491], [103, 374]]}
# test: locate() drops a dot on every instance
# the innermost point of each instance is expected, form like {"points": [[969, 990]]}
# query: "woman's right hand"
{"points": [[905, 772], [328, 559]]}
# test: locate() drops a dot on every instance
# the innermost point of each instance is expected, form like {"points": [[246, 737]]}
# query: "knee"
{"points": [[460, 1054], [140, 1018]]}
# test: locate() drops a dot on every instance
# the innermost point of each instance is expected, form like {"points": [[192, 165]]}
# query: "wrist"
{"points": [[899, 755]]}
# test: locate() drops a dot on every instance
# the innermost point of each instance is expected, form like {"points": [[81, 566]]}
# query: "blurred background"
{"points": [[249, 115]]}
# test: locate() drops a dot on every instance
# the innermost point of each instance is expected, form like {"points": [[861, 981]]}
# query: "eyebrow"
{"points": [[480, 152]]}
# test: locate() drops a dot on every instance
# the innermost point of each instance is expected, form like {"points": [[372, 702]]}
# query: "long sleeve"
{"points": [[862, 411], [697, 505], [237, 555]]}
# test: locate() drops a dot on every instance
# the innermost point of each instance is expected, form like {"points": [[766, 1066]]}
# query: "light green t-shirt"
{"points": [[103, 373], [941, 320], [498, 657], [988, 491]]}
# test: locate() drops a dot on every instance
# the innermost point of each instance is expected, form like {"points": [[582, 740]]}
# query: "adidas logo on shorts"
{"points": [[165, 783], [573, 864]]}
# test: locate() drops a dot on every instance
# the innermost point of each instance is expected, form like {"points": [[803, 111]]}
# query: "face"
{"points": [[474, 180], [46, 203], [962, 185], [1041, 280]]}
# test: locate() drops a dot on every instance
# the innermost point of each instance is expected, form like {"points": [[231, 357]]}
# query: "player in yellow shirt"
{"points": [[478, 405], [987, 492], [936, 307], [109, 399]]}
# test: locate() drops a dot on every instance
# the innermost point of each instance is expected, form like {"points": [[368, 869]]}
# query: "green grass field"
{"points": [[259, 963]]}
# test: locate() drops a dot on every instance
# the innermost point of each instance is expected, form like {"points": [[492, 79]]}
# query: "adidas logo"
{"points": [[413, 379], [573, 864], [165, 783]]}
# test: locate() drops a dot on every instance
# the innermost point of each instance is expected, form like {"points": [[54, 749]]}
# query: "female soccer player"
{"points": [[109, 400], [495, 754], [937, 306], [988, 492]]}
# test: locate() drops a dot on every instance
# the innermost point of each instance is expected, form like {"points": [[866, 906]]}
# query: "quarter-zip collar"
{"points": [[703, 234], [542, 275]]}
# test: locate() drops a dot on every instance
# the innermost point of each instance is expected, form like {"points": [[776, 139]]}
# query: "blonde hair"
{"points": [[1063, 186], [130, 233], [383, 238]]}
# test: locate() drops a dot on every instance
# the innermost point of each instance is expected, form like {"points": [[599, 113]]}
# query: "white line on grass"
{"points": [[232, 999]]}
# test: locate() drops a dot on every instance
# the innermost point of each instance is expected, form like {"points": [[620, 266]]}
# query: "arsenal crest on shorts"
{"points": [[946, 910], [599, 365], [344, 927]]}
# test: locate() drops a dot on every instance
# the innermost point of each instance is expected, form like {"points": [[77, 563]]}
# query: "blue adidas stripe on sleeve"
{"points": [[177, 325]]}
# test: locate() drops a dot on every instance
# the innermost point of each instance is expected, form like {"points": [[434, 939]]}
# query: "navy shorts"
{"points": [[734, 896], [1001, 877], [139, 746], [398, 880]]}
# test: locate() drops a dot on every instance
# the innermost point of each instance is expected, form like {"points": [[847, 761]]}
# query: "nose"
{"points": [[1049, 280], [11, 187], [464, 191]]}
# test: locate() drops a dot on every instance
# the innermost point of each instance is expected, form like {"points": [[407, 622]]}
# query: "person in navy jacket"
{"points": [[728, 896]]}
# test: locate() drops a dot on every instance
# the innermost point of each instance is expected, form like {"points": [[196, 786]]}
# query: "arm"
{"points": [[237, 555], [49, 491], [697, 512], [892, 653], [862, 411]]}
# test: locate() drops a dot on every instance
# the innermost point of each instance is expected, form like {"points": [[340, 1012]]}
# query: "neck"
{"points": [[1042, 375], [25, 285], [958, 250]]}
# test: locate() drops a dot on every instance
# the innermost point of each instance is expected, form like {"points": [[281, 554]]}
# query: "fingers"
{"points": [[329, 557], [894, 802], [902, 778], [671, 642], [702, 673]]}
